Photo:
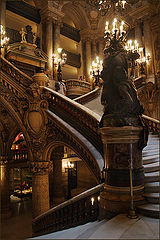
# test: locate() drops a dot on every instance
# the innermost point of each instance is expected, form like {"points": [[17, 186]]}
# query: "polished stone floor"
{"points": [[19, 225], [119, 227]]}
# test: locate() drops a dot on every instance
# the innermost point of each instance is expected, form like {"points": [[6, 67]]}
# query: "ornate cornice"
{"points": [[50, 13]]}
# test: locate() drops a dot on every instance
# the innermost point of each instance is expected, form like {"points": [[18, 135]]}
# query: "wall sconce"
{"points": [[3, 39]]}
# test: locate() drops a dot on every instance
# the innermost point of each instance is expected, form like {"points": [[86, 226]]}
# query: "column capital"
{"points": [[41, 168]]}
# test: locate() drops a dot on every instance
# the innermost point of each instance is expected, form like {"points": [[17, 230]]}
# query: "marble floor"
{"points": [[119, 227], [19, 225]]}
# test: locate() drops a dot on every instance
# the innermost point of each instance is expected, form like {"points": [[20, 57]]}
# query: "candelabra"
{"points": [[3, 39], [96, 69], [104, 5], [132, 54], [142, 61], [59, 61]]}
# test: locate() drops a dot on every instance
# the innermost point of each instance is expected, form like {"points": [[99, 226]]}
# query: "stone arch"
{"points": [[20, 126], [77, 15], [53, 144]]}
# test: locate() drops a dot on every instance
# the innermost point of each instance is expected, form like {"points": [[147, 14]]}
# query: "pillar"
{"points": [[94, 49], [4, 188], [138, 33], [88, 58], [101, 48], [79, 50], [40, 188], [11, 179], [148, 49], [57, 186], [57, 26], [120, 145], [49, 46]]}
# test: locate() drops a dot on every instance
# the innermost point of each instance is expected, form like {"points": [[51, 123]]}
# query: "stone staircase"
{"points": [[152, 178]]}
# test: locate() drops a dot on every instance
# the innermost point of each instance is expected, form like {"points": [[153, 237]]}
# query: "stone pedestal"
{"points": [[4, 190], [40, 193], [41, 79], [119, 142]]}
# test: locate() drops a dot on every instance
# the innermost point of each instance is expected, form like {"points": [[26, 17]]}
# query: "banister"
{"points": [[61, 216], [11, 65], [88, 96]]}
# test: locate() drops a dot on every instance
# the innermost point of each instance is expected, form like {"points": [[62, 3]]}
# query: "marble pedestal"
{"points": [[120, 145]]}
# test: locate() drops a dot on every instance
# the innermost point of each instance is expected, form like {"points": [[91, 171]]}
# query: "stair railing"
{"points": [[88, 96], [79, 210], [153, 124]]}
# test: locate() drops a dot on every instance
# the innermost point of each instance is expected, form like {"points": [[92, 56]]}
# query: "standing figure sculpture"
{"points": [[119, 97]]}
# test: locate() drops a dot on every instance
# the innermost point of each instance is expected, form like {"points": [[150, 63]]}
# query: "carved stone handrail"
{"points": [[77, 87], [139, 82], [79, 210], [15, 73], [15, 80], [73, 112], [88, 96], [19, 155], [153, 124]]}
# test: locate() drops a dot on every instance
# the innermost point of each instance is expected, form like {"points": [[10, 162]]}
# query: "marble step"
{"points": [[152, 167], [152, 177], [152, 197], [153, 187], [150, 210], [150, 152], [150, 159]]}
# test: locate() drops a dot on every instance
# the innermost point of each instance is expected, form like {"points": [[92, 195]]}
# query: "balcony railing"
{"points": [[77, 88], [19, 155], [79, 210]]}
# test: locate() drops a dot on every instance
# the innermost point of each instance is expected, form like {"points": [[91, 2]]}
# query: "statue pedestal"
{"points": [[120, 145]]}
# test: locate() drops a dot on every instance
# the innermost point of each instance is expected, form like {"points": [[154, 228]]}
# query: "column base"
{"points": [[117, 199]]}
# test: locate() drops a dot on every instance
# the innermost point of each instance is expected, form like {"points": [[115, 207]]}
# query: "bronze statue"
{"points": [[121, 104]]}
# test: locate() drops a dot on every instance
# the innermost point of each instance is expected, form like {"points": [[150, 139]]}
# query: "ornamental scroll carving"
{"points": [[149, 97]]}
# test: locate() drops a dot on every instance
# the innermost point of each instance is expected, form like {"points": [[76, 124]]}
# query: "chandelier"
{"points": [[104, 5]]}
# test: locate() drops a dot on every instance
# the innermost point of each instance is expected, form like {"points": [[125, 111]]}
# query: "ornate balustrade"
{"points": [[77, 88], [78, 210], [81, 118], [88, 96], [153, 124], [19, 155], [18, 76], [139, 82]]}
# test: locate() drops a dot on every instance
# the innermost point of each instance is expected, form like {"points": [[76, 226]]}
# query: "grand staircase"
{"points": [[152, 170]]}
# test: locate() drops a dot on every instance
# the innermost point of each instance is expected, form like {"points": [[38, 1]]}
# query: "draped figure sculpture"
{"points": [[119, 97]]}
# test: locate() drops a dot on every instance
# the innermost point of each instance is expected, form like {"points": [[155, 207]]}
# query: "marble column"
{"points": [[101, 48], [94, 50], [79, 50], [138, 33], [148, 50], [57, 157], [57, 26], [40, 189], [88, 59], [49, 46], [4, 188]]}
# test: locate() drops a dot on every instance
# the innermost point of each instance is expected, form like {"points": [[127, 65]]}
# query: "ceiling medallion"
{"points": [[104, 5]]}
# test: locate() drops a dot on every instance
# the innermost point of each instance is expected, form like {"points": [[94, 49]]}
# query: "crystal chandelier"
{"points": [[104, 5]]}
